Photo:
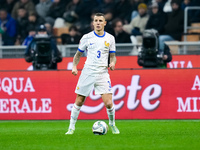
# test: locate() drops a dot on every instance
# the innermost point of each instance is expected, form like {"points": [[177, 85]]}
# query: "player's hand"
{"points": [[74, 70], [112, 66]]}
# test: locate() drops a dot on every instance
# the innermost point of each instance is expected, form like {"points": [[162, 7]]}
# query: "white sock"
{"points": [[74, 115], [111, 115]]}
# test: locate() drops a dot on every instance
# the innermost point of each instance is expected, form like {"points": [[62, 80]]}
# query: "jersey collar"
{"points": [[99, 35]]}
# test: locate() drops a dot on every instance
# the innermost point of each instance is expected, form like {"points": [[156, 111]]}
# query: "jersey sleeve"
{"points": [[83, 44], [112, 45]]}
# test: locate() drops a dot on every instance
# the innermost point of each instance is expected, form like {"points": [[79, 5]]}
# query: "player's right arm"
{"points": [[76, 60], [82, 46]]}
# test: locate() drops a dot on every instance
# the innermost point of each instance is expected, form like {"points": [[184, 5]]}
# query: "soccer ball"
{"points": [[99, 128]]}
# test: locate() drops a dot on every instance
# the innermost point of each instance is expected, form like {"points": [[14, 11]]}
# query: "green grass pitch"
{"points": [[135, 134]]}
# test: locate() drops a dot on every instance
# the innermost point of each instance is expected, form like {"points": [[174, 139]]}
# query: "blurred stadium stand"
{"points": [[122, 49], [190, 43]]}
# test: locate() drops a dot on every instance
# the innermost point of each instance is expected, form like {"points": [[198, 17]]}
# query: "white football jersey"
{"points": [[98, 49]]}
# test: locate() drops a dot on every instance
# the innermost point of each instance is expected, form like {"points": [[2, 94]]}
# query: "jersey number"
{"points": [[98, 54]]}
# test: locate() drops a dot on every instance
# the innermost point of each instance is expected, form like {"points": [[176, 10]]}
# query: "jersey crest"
{"points": [[107, 44]]}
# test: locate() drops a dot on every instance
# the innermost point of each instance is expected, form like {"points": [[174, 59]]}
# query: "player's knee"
{"points": [[80, 100], [108, 104]]}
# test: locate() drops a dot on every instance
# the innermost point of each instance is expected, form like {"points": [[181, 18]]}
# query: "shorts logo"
{"points": [[109, 84], [77, 88]]}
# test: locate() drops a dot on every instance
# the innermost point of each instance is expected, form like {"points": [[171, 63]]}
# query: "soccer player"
{"points": [[99, 45]]}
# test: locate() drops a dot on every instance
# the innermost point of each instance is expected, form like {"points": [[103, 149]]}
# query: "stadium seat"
{"points": [[197, 26], [195, 30], [58, 31], [193, 38]]}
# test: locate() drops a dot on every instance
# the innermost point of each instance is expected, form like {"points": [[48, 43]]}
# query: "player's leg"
{"points": [[83, 89], [107, 99], [103, 87], [75, 112]]}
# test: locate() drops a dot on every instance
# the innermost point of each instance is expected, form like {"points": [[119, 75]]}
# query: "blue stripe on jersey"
{"points": [[80, 50], [111, 51], [99, 35]]}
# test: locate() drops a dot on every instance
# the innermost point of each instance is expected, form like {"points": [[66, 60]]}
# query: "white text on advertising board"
{"points": [[21, 85]]}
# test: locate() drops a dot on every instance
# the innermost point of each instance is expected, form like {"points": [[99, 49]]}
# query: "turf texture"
{"points": [[135, 134]]}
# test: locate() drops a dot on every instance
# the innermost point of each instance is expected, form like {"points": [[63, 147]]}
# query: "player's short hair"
{"points": [[99, 14]]}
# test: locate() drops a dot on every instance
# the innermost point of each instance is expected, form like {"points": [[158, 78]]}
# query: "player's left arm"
{"points": [[112, 55], [113, 61]]}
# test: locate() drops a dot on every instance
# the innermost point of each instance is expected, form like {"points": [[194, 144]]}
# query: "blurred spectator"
{"points": [[107, 8], [84, 11], [134, 4], [120, 35], [29, 38], [22, 23], [32, 33], [77, 13], [167, 7], [161, 4], [185, 3], [49, 28], [7, 28], [42, 8], [167, 56], [55, 11], [34, 21], [174, 27], [72, 38], [69, 15], [88, 28], [138, 24], [157, 19], [8, 5], [122, 10], [27, 4]]}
